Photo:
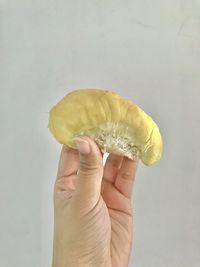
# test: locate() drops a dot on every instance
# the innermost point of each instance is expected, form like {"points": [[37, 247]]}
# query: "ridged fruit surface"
{"points": [[116, 124]]}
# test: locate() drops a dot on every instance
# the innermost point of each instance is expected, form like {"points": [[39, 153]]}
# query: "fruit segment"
{"points": [[117, 125]]}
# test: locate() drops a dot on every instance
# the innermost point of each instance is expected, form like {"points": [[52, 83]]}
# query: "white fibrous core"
{"points": [[115, 138]]}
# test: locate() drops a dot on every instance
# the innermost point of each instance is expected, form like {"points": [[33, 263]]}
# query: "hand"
{"points": [[92, 208]]}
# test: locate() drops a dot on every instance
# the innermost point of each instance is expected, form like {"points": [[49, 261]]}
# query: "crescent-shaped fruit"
{"points": [[117, 125]]}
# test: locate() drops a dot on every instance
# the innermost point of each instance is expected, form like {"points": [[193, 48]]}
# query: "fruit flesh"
{"points": [[116, 138], [116, 124]]}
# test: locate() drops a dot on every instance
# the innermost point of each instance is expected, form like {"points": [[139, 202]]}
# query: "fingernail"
{"points": [[82, 145]]}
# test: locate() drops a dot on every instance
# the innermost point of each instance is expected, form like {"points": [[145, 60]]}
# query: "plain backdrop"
{"points": [[147, 51]]}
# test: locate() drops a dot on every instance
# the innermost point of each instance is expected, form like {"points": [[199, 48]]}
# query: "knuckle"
{"points": [[125, 175], [90, 165], [113, 162], [88, 169], [64, 183]]}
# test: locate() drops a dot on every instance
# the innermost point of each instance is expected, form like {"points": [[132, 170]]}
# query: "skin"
{"points": [[92, 208]]}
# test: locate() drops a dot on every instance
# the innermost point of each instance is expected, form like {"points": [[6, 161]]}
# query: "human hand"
{"points": [[92, 208]]}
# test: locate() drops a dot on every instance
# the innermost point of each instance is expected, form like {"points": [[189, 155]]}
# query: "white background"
{"points": [[147, 51]]}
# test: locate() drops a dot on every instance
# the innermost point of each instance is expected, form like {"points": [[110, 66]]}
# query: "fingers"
{"points": [[126, 175], [68, 163], [67, 172], [111, 168], [90, 173]]}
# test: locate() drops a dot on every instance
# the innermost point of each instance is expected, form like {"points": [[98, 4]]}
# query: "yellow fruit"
{"points": [[117, 125]]}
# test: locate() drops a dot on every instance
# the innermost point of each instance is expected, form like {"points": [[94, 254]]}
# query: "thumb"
{"points": [[88, 185]]}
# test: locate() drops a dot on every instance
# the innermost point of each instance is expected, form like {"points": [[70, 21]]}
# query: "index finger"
{"points": [[126, 176], [68, 162]]}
